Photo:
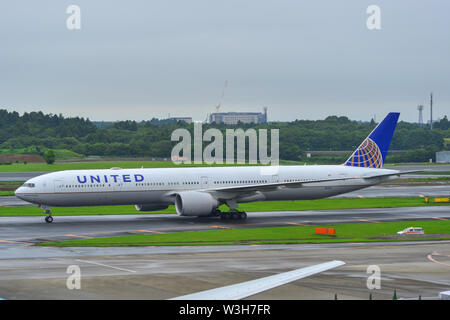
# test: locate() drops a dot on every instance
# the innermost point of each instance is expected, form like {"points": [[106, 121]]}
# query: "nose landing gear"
{"points": [[48, 218]]}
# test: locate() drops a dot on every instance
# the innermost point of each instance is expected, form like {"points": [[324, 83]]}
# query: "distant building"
{"points": [[236, 117], [443, 157], [185, 119]]}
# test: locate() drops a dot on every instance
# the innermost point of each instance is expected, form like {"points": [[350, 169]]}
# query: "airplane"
{"points": [[200, 191]]}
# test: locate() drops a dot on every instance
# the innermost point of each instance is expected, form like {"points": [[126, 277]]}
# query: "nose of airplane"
{"points": [[27, 192], [18, 193]]}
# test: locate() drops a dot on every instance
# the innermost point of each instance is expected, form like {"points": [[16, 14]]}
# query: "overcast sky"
{"points": [[303, 59]]}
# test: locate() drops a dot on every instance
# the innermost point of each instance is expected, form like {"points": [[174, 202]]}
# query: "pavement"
{"points": [[32, 229], [33, 272], [19, 176], [412, 269]]}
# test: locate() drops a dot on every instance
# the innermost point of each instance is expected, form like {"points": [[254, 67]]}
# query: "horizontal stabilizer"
{"points": [[398, 173]]}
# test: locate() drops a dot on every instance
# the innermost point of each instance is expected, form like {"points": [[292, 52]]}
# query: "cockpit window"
{"points": [[28, 185]]}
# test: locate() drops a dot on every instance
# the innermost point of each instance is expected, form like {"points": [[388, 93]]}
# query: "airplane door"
{"points": [[204, 182], [118, 184], [58, 185]]}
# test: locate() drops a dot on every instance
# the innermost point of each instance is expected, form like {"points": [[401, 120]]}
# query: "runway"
{"points": [[19, 176], [32, 229], [412, 269], [32, 272]]}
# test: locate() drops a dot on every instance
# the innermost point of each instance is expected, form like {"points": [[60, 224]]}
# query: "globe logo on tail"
{"points": [[368, 155]]}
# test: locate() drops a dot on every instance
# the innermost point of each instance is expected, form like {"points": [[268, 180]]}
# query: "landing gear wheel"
{"points": [[48, 218], [233, 215], [216, 213], [225, 216]]}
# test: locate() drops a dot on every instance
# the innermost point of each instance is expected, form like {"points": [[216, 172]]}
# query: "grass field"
{"points": [[360, 232], [322, 204], [84, 165]]}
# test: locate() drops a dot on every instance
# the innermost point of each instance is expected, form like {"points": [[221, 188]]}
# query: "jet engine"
{"points": [[194, 203], [151, 207]]}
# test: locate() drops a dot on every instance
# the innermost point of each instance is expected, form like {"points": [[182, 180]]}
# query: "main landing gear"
{"points": [[233, 215]]}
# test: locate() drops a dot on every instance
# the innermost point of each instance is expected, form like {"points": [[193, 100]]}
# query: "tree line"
{"points": [[152, 138]]}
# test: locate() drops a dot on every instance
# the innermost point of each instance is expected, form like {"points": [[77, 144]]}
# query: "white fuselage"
{"points": [[157, 186]]}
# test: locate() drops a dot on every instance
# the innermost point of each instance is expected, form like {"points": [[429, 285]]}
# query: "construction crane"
{"points": [[221, 98]]}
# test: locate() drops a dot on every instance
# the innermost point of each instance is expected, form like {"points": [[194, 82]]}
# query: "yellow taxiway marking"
{"points": [[150, 231], [11, 241], [75, 236], [365, 220], [438, 218], [296, 224], [220, 227]]}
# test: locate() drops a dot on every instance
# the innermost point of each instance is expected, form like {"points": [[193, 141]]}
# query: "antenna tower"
{"points": [[431, 111], [420, 108]]}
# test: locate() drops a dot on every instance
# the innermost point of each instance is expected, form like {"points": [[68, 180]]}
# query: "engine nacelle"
{"points": [[151, 207], [194, 203]]}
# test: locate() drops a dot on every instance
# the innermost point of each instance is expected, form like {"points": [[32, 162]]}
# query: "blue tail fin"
{"points": [[372, 152]]}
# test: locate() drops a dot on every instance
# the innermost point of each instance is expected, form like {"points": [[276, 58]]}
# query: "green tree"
{"points": [[49, 157]]}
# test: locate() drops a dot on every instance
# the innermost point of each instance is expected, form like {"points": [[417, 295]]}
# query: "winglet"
{"points": [[372, 152]]}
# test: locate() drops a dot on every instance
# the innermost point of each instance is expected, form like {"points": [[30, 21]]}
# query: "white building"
{"points": [[443, 157], [236, 117]]}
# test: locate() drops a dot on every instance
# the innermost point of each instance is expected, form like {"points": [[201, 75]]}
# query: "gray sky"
{"points": [[303, 59]]}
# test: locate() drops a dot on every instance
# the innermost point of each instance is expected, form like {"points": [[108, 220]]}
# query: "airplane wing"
{"points": [[276, 185], [297, 184], [230, 192], [249, 288]]}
